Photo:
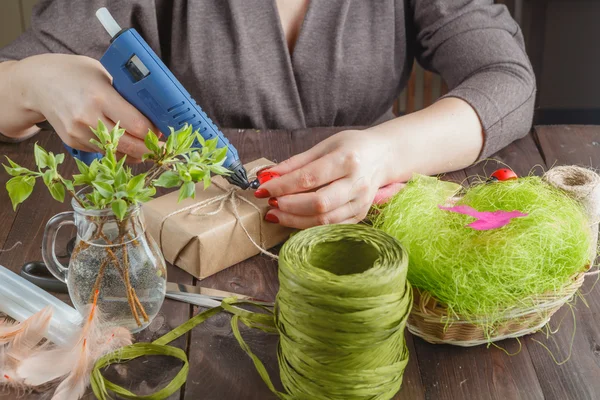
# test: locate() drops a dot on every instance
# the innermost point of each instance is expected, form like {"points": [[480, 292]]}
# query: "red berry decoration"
{"points": [[265, 175], [503, 174]]}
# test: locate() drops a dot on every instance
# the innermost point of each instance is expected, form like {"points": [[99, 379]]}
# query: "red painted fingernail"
{"points": [[265, 176], [272, 218], [273, 202], [262, 194], [160, 135]]}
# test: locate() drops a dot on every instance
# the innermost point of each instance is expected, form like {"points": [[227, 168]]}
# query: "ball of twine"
{"points": [[583, 185], [341, 311]]}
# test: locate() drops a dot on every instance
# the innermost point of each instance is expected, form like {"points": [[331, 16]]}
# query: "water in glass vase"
{"points": [[93, 269], [116, 258]]}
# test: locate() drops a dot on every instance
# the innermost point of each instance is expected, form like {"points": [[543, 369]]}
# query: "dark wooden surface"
{"points": [[219, 369]]}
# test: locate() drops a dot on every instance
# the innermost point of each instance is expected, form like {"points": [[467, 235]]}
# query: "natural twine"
{"points": [[340, 312], [230, 196], [583, 185], [14, 246]]}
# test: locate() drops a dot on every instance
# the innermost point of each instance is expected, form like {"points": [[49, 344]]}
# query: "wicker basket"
{"points": [[431, 320]]}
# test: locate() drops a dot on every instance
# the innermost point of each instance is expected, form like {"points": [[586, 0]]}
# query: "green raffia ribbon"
{"points": [[340, 313]]}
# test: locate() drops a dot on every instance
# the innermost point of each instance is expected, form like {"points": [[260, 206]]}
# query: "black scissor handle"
{"points": [[37, 273]]}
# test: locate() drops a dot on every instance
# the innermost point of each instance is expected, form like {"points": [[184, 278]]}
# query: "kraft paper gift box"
{"points": [[203, 235]]}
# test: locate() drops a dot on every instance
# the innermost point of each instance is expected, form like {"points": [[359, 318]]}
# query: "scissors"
{"points": [[37, 273]]}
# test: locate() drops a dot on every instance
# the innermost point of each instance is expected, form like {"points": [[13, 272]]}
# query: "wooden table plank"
{"points": [[22, 152], [219, 368], [31, 216], [569, 145], [577, 378]]}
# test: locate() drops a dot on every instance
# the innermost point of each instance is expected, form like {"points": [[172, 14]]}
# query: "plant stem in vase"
{"points": [[114, 255]]}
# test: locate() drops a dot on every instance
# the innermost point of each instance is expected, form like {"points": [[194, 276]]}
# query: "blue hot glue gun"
{"points": [[143, 79]]}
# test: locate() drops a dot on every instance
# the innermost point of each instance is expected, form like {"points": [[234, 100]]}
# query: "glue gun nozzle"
{"points": [[254, 184]]}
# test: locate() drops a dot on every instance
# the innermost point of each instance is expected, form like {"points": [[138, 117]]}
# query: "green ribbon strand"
{"points": [[340, 314]]}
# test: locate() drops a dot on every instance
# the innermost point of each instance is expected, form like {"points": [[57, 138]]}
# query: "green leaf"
{"points": [[104, 189], [200, 138], [120, 178], [48, 177], [197, 174], [94, 169], [170, 142], [168, 179], [121, 163], [206, 181], [147, 156], [212, 144], [187, 190], [82, 167], [184, 175], [42, 158], [57, 190], [19, 189], [69, 185], [97, 144], [220, 155], [115, 134], [182, 136], [194, 157], [80, 179], [110, 159], [136, 183], [15, 169], [146, 194], [101, 132], [219, 169], [187, 144], [121, 194], [119, 207], [59, 158], [151, 142]]}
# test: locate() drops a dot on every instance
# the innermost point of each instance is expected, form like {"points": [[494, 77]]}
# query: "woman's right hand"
{"points": [[72, 92]]}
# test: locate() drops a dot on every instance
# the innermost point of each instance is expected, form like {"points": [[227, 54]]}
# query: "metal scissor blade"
{"points": [[197, 300], [181, 291]]}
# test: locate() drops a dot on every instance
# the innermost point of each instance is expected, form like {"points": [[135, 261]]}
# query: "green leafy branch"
{"points": [[176, 163]]}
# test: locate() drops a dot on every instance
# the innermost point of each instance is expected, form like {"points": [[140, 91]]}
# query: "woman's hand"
{"points": [[334, 182], [72, 93], [339, 179]]}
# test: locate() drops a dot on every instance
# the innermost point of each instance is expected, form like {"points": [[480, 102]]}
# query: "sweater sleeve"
{"points": [[479, 51]]}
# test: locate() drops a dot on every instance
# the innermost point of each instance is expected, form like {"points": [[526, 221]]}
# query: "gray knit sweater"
{"points": [[351, 60]]}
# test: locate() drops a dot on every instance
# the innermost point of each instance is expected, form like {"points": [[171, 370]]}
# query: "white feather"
{"points": [[32, 331], [74, 385], [25, 364]]}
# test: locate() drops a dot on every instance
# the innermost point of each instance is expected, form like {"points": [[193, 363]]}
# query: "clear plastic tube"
{"points": [[59, 331], [32, 298]]}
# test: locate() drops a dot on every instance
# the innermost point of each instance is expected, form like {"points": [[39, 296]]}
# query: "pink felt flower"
{"points": [[486, 220]]}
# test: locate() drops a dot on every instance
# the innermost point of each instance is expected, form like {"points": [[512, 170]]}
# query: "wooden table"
{"points": [[219, 369]]}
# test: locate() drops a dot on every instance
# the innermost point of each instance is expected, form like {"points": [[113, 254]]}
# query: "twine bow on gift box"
{"points": [[230, 196]]}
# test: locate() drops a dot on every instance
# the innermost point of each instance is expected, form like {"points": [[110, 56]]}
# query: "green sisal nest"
{"points": [[480, 275]]}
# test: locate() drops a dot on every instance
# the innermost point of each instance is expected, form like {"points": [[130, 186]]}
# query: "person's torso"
{"points": [[349, 62]]}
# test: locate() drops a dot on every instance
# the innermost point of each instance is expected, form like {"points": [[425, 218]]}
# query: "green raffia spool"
{"points": [[340, 313], [341, 310]]}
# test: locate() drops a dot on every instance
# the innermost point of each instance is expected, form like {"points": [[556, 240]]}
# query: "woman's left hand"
{"points": [[334, 182]]}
